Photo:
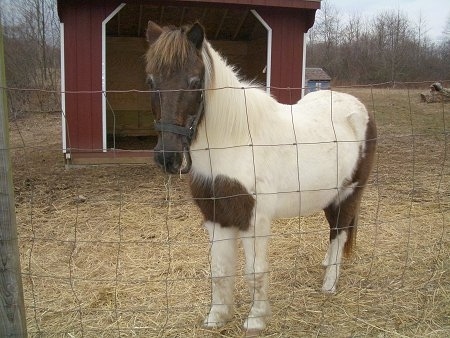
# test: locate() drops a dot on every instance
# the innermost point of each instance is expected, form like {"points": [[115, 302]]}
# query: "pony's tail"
{"points": [[351, 236]]}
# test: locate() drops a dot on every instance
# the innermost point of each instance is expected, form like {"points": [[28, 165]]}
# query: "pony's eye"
{"points": [[194, 82]]}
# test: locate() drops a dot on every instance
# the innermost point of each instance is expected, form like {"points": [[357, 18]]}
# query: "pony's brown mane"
{"points": [[170, 52]]}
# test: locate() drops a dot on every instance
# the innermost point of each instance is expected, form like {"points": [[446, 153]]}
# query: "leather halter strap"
{"points": [[189, 130], [174, 129]]}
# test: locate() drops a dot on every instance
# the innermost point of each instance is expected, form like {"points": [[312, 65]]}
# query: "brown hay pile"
{"points": [[120, 251]]}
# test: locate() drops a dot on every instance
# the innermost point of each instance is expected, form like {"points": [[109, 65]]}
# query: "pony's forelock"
{"points": [[170, 52]]}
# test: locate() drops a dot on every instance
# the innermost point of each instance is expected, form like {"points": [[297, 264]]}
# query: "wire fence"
{"points": [[119, 250]]}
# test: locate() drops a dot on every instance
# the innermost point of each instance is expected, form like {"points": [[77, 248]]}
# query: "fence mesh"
{"points": [[119, 250]]}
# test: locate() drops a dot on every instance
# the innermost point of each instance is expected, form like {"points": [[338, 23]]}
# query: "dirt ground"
{"points": [[109, 251]]}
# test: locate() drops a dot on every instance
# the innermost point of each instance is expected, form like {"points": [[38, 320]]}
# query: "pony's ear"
{"points": [[196, 35], [153, 31]]}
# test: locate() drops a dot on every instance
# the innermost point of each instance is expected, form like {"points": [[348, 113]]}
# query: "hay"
{"points": [[130, 257]]}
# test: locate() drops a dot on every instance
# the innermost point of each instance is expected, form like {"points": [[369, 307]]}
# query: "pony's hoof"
{"points": [[254, 326], [330, 281], [330, 289], [216, 319], [212, 323], [252, 333]]}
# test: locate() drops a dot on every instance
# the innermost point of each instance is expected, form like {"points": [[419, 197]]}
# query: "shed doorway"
{"points": [[237, 33]]}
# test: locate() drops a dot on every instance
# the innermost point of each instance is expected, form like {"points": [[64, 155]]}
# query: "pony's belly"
{"points": [[294, 204]]}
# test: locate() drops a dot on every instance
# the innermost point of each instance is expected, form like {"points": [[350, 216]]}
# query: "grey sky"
{"points": [[434, 13]]}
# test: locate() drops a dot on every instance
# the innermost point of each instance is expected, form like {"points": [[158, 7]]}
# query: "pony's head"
{"points": [[175, 75]]}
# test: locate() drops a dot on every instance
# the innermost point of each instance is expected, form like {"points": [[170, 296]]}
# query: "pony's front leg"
{"points": [[223, 269], [255, 242]]}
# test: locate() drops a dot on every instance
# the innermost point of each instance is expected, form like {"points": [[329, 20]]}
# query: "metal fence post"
{"points": [[12, 309]]}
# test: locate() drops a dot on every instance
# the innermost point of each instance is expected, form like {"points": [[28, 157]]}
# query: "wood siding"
{"points": [[288, 19], [83, 71], [288, 28], [307, 4]]}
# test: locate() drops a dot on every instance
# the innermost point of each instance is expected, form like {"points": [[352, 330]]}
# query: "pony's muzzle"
{"points": [[173, 162], [172, 150]]}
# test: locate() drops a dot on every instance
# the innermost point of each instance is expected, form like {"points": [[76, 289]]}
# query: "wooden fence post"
{"points": [[12, 308]]}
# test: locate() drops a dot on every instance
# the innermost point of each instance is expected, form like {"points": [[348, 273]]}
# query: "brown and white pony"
{"points": [[252, 159]]}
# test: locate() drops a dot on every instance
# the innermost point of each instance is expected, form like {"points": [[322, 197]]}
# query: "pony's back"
{"points": [[337, 115]]}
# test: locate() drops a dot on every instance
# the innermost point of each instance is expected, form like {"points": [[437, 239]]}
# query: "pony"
{"points": [[252, 159]]}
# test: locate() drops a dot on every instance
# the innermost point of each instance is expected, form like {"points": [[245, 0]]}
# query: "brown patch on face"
{"points": [[226, 202]]}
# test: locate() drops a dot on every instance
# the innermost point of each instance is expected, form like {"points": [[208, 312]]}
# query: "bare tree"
{"points": [[446, 31], [326, 32], [386, 47], [392, 32], [353, 49], [32, 53], [444, 48]]}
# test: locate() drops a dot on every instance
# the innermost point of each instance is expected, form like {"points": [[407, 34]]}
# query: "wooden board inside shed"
{"points": [[129, 112]]}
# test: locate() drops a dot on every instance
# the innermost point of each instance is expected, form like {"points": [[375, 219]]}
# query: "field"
{"points": [[109, 251]]}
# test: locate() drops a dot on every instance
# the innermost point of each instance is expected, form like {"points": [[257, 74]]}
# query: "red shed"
{"points": [[102, 72]]}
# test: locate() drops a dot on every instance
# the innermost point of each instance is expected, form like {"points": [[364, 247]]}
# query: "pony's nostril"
{"points": [[169, 161], [162, 158]]}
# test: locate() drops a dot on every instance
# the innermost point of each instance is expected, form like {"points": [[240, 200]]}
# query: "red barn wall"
{"points": [[83, 71], [83, 62], [288, 29]]}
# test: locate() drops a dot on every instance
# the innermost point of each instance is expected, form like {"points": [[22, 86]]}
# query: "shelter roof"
{"points": [[222, 19], [317, 74]]}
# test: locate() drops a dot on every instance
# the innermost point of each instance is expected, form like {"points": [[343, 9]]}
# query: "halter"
{"points": [[189, 130]]}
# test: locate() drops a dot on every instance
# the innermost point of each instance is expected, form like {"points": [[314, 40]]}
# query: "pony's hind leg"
{"points": [[343, 221], [333, 260], [342, 214], [223, 267]]}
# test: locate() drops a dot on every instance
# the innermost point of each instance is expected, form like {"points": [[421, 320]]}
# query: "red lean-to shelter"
{"points": [[102, 65]]}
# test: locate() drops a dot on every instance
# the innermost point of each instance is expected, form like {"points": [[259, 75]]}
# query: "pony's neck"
{"points": [[219, 74], [225, 122]]}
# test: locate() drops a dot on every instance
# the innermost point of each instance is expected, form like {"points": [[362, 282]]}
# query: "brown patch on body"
{"points": [[366, 159], [226, 201], [344, 216]]}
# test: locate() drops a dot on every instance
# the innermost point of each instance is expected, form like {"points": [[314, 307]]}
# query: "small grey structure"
{"points": [[316, 79]]}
